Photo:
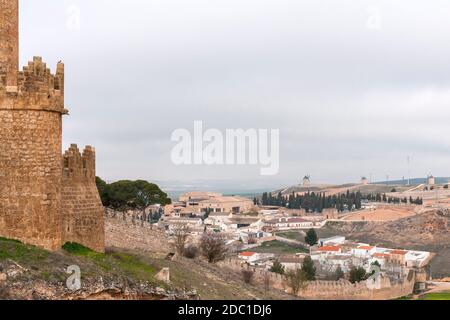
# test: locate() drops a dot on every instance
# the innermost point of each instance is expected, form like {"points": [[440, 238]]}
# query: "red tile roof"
{"points": [[366, 247], [329, 248], [399, 252], [247, 254]]}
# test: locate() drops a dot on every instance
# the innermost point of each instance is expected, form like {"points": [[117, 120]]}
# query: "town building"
{"points": [[288, 224], [205, 203], [336, 240], [292, 262]]}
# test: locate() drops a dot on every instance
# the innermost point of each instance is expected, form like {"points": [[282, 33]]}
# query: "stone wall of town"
{"points": [[81, 207], [330, 290], [122, 231]]}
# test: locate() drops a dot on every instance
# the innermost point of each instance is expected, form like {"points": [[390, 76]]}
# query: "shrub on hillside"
{"points": [[191, 252], [213, 246], [247, 276]]}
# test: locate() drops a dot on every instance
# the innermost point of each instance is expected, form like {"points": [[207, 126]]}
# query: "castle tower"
{"points": [[9, 48], [31, 109], [46, 199]]}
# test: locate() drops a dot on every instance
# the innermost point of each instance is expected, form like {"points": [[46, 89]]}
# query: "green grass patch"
{"points": [[437, 296], [277, 247], [133, 265], [122, 262], [292, 235], [21, 253]]}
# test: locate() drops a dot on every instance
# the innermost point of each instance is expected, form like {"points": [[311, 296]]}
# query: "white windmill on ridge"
{"points": [[307, 181]]}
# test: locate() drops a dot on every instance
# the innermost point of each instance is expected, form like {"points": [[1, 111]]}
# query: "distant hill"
{"points": [[375, 187], [415, 181]]}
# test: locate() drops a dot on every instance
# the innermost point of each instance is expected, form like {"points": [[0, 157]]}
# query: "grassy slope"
{"points": [[292, 235], [51, 266], [277, 247], [437, 296], [209, 281]]}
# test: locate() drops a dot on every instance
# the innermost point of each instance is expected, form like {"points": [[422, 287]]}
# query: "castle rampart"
{"points": [[36, 191], [82, 209]]}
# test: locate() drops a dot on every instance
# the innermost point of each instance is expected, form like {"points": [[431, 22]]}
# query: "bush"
{"points": [[357, 275], [213, 246], [296, 280], [191, 252], [277, 267], [247, 276]]}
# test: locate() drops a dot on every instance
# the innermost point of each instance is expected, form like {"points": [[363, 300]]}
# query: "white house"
{"points": [[292, 262], [416, 258], [364, 251], [289, 223], [331, 241], [249, 256]]}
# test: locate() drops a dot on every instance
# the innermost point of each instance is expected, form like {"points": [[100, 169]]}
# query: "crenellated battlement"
{"points": [[37, 88], [77, 166]]}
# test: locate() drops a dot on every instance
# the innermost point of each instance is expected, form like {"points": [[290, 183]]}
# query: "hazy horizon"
{"points": [[354, 87]]}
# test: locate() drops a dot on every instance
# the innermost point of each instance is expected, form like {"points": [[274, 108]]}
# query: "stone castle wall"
{"points": [[331, 290], [9, 49], [81, 206], [122, 231], [30, 177], [35, 193]]}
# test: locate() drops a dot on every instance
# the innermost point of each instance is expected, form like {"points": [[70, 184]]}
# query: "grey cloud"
{"points": [[348, 100]]}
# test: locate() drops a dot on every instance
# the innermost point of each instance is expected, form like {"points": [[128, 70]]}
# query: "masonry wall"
{"points": [[331, 290], [9, 33], [82, 210], [122, 231], [44, 201], [30, 177]]}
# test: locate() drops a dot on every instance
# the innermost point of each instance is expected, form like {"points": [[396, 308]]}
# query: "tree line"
{"points": [[127, 195], [317, 202]]}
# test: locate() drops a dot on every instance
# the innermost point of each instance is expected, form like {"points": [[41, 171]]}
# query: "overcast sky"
{"points": [[354, 86]]}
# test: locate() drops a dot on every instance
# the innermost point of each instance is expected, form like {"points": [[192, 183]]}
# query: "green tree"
{"points": [[125, 194], [296, 280], [309, 269], [311, 237], [446, 186], [102, 187], [277, 267], [376, 263], [357, 274]]}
